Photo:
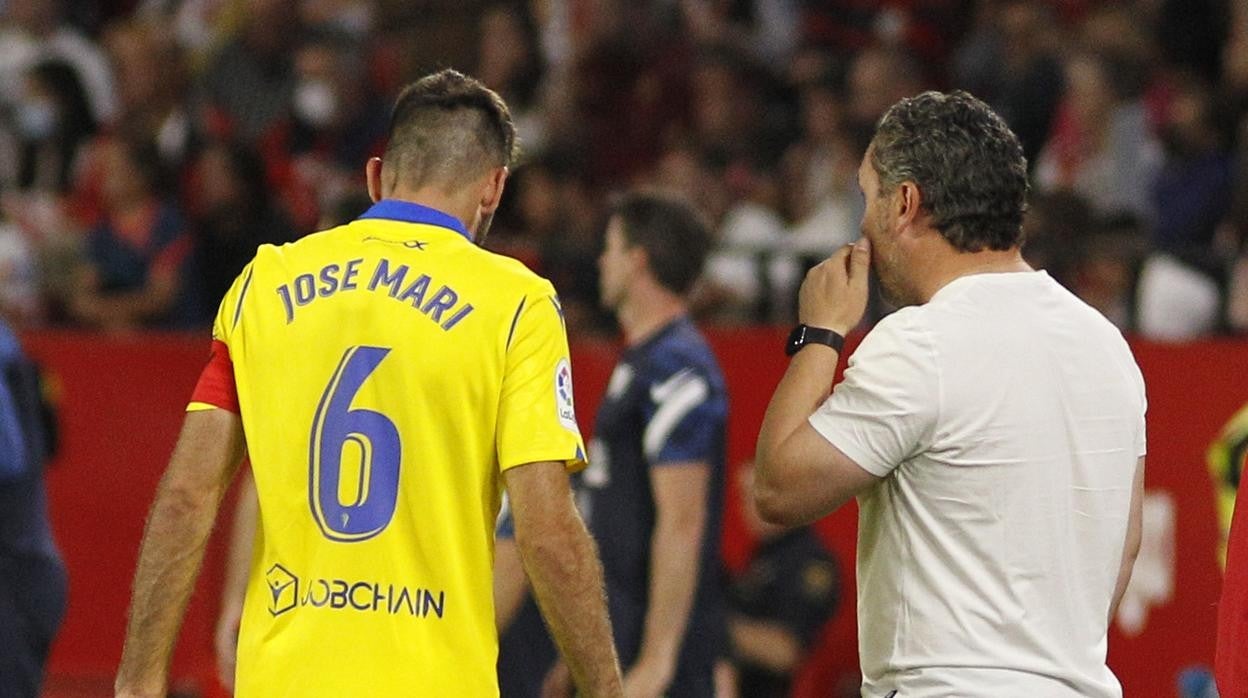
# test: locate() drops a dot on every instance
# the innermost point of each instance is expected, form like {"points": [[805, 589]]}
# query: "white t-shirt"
{"points": [[1006, 418]]}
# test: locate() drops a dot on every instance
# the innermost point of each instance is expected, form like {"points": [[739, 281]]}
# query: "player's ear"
{"points": [[372, 175], [492, 192]]}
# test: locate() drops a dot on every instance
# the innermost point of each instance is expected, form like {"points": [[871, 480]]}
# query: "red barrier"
{"points": [[121, 404]]}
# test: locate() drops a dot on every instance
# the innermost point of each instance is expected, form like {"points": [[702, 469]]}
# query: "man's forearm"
{"points": [[566, 578], [169, 560], [673, 583], [806, 383], [207, 456]]}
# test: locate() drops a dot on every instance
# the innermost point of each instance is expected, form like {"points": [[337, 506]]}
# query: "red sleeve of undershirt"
{"points": [[216, 386]]}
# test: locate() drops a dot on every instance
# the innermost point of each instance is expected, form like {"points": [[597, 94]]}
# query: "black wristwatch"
{"points": [[805, 334]]}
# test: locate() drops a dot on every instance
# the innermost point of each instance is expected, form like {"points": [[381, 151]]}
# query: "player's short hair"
{"points": [[968, 165], [448, 129], [674, 235]]}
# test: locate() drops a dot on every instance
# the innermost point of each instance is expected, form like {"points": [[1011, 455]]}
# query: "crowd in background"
{"points": [[147, 147]]}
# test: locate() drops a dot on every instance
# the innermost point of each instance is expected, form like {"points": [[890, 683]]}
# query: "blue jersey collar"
{"points": [[409, 212]]}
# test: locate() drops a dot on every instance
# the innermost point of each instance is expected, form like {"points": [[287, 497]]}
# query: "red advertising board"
{"points": [[121, 400]]}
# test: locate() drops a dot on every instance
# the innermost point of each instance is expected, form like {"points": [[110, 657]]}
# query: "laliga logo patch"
{"points": [[563, 394]]}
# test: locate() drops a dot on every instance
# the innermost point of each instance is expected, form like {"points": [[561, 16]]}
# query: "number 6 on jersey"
{"points": [[355, 454]]}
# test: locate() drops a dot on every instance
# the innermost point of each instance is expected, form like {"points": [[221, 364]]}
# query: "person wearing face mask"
{"points": [[51, 122], [338, 119]]}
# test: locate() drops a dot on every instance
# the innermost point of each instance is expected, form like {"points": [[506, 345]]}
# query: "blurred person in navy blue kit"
{"points": [[32, 576], [653, 492], [777, 606]]}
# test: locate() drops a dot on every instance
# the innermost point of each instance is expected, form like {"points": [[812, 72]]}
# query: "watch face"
{"points": [[796, 338]]}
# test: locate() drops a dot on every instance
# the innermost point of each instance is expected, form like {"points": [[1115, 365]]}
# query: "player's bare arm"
{"points": [[1135, 532], [562, 565], [680, 494], [234, 591], [799, 475], [204, 461], [510, 586], [765, 643]]}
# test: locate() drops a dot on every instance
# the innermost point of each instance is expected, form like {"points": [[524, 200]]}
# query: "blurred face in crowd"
{"points": [[217, 187], [879, 228], [539, 200], [123, 181], [503, 50], [822, 113], [617, 264], [1091, 97]]}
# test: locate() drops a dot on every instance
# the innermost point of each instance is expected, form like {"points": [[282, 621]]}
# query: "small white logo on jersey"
{"points": [[563, 395]]}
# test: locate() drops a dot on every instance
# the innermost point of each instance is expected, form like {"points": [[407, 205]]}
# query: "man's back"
{"points": [[988, 561], [386, 371]]}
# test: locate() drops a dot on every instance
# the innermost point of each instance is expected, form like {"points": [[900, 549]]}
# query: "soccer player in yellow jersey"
{"points": [[386, 379]]}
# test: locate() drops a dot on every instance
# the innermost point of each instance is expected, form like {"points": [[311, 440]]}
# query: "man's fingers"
{"points": [[859, 261]]}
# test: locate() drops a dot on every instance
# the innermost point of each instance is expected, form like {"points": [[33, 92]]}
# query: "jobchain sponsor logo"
{"points": [[289, 592]]}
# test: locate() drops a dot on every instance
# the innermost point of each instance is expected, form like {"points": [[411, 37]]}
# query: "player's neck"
{"points": [[462, 206], [646, 311]]}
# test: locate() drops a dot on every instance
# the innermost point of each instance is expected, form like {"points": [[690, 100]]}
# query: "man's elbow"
{"points": [[774, 506]]}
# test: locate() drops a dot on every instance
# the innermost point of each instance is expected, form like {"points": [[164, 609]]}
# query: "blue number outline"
{"points": [[355, 359]]}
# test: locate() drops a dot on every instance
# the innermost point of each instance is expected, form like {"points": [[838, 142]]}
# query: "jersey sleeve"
{"points": [[684, 419], [885, 410], [536, 416], [216, 388]]}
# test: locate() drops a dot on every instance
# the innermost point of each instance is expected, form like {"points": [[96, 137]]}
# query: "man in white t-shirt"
{"points": [[992, 429]]}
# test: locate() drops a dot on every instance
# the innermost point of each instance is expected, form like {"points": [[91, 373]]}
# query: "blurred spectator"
{"points": [[137, 270], [19, 282], [820, 183], [764, 29], [1011, 63], [346, 208], [53, 121], [339, 121], [750, 276], [776, 607], [509, 61], [878, 77], [626, 89], [152, 83], [1105, 266], [33, 582], [732, 115], [354, 18], [1192, 35], [1192, 195], [1052, 228], [248, 87], [1101, 147], [35, 30], [233, 215], [559, 238], [1176, 302]]}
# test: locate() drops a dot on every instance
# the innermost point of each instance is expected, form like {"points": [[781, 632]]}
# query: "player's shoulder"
{"points": [[680, 350], [509, 272], [281, 254]]}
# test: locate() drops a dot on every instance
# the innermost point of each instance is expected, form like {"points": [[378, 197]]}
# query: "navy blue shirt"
{"points": [[666, 403], [24, 528]]}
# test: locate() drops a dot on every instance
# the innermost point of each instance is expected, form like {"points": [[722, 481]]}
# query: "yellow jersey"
{"points": [[1227, 458], [386, 372]]}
